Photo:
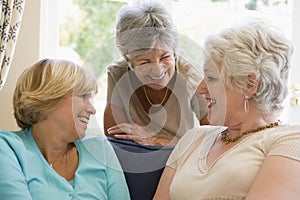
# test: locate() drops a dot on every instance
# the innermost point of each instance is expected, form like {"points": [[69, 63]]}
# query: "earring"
{"points": [[246, 104]]}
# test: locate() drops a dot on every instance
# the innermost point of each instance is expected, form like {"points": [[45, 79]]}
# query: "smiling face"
{"points": [[155, 67], [71, 115], [224, 104]]}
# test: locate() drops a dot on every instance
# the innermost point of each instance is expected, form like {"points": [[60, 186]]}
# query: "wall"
{"points": [[294, 112], [26, 53], [29, 49]]}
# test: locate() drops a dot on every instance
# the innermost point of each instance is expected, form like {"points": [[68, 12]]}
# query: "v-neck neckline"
{"points": [[208, 143], [44, 161], [205, 148]]}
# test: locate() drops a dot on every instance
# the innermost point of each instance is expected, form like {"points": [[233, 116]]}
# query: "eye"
{"points": [[144, 63], [209, 78], [87, 96], [84, 96], [166, 57]]}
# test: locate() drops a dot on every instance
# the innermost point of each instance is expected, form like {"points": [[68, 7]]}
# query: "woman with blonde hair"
{"points": [[51, 157]]}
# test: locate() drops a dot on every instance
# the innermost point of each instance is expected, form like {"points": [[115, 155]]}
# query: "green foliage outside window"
{"points": [[92, 32]]}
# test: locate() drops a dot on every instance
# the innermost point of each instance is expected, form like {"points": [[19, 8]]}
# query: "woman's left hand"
{"points": [[138, 134]]}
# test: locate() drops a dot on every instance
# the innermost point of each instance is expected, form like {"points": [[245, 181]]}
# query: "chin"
{"points": [[81, 132], [81, 135], [156, 86]]}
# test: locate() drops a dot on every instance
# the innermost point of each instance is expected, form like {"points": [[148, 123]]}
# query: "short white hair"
{"points": [[253, 49]]}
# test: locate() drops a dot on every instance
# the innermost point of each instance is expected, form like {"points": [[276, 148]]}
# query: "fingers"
{"points": [[134, 132], [137, 139], [125, 137], [127, 128], [120, 128]]}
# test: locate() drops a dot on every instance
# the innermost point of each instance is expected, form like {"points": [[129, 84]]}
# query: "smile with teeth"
{"points": [[84, 120], [158, 77], [211, 102]]}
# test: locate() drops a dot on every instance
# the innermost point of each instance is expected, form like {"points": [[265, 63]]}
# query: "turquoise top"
{"points": [[25, 173]]}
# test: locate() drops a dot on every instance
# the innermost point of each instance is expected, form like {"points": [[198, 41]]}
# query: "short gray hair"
{"points": [[144, 26], [254, 49]]}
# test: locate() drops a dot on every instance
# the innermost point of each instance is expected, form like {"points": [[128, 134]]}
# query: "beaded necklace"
{"points": [[226, 139]]}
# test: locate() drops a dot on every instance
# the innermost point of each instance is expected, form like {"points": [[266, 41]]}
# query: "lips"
{"points": [[211, 102], [156, 78], [83, 119]]}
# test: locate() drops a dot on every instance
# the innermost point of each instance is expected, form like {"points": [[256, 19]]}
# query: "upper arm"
{"points": [[13, 183], [163, 188], [278, 178], [113, 113]]}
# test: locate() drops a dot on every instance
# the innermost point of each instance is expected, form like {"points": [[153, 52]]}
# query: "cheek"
{"points": [[171, 65], [235, 103], [140, 76], [171, 68], [171, 72]]}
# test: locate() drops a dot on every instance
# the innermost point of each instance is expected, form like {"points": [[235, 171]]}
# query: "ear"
{"points": [[252, 85], [128, 61]]}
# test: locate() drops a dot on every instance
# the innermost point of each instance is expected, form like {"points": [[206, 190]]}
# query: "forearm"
{"points": [[165, 138], [113, 116]]}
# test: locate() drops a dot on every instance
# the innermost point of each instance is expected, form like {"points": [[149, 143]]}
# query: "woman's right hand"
{"points": [[138, 134]]}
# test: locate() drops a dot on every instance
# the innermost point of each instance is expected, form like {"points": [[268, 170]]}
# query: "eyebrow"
{"points": [[207, 70], [142, 59], [160, 55]]}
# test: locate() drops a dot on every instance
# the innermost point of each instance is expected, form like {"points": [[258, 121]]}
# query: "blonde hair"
{"points": [[41, 86], [254, 49]]}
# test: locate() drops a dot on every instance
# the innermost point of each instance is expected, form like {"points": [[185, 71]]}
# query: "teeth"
{"points": [[213, 101], [158, 77], [83, 119]]}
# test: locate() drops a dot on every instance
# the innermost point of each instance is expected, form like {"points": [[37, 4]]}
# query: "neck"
{"points": [[249, 122], [50, 145], [155, 97], [225, 134]]}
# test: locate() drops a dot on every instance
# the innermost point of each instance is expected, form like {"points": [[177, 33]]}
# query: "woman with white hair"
{"points": [[248, 154]]}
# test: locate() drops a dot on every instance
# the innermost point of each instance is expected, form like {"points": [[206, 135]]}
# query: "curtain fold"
{"points": [[11, 12]]}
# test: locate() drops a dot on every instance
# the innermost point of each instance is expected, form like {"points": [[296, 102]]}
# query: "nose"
{"points": [[202, 88], [91, 109], [157, 68]]}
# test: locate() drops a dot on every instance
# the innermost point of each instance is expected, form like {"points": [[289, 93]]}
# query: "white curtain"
{"points": [[11, 12]]}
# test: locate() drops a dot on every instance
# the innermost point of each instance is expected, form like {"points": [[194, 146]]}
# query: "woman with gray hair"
{"points": [[248, 154], [151, 90]]}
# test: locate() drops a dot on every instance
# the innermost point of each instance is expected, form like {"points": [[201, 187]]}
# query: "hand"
{"points": [[138, 134]]}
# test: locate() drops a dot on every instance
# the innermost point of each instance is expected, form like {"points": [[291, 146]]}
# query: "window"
{"points": [[86, 27], [199, 18]]}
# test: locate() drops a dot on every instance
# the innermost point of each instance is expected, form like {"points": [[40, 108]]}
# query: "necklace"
{"points": [[152, 104], [226, 139], [60, 157]]}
